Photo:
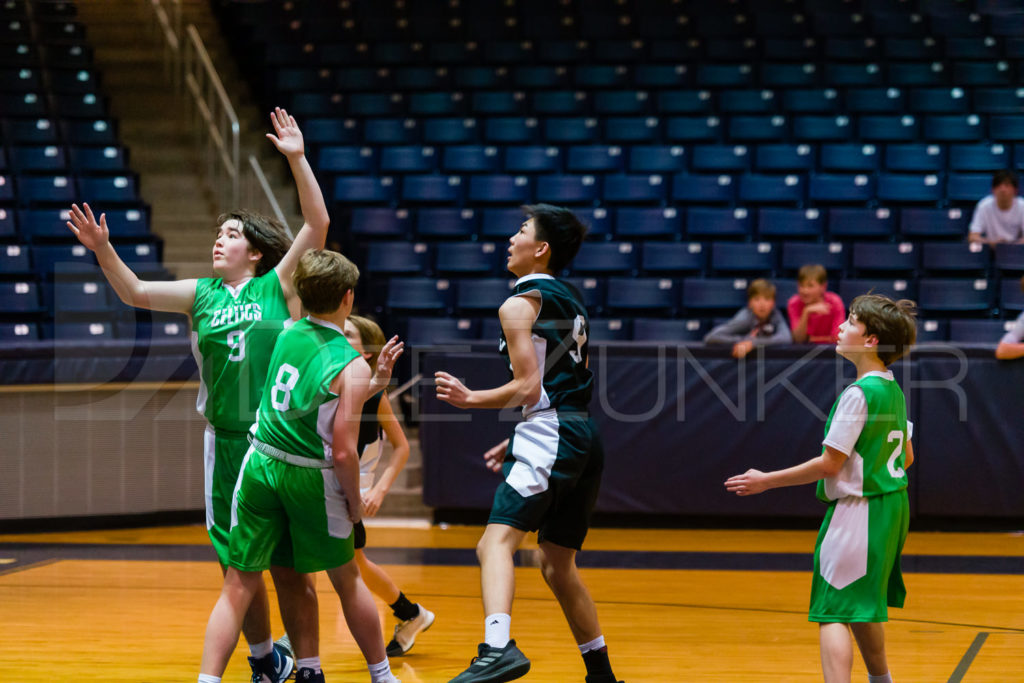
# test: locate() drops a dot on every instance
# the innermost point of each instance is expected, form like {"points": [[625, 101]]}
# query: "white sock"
{"points": [[595, 644], [207, 678], [260, 650], [380, 672], [498, 629], [884, 678], [308, 663]]}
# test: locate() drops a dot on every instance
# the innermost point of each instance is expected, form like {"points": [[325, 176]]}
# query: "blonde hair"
{"points": [[371, 337], [322, 278], [761, 287]]}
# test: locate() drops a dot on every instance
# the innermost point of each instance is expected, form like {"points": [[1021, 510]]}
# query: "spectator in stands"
{"points": [[1012, 344], [379, 423], [235, 318], [999, 218], [299, 481], [815, 313], [552, 464], [861, 474], [759, 323]]}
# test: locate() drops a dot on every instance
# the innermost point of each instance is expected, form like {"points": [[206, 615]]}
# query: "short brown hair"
{"points": [[264, 234], [812, 271], [893, 322], [371, 336], [322, 279], [761, 287]]}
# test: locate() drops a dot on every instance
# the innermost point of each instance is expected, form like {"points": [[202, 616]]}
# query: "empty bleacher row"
{"points": [[58, 145]]}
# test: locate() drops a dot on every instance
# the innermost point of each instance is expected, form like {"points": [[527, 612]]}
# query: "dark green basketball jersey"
{"points": [[560, 341], [298, 407], [233, 335]]}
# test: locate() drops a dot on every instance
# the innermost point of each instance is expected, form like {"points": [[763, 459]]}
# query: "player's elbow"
{"points": [[831, 467], [342, 457], [531, 394]]}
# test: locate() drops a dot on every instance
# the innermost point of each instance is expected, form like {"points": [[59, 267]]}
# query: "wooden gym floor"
{"points": [[675, 606]]}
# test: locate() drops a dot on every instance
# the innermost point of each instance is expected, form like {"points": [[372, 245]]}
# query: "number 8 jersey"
{"points": [[297, 410], [233, 335], [560, 342]]}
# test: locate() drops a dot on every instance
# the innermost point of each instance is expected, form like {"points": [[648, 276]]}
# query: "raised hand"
{"points": [[92, 234], [286, 136]]}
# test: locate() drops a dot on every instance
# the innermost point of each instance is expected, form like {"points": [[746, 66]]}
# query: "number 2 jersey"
{"points": [[233, 336], [869, 423], [559, 337]]}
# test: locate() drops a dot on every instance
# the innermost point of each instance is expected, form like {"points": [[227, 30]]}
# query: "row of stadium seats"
{"points": [[51, 224], [56, 158], [47, 131], [48, 190], [643, 159], [50, 261]]}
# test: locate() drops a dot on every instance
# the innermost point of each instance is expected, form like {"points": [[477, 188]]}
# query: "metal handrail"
{"points": [[214, 107], [261, 181], [172, 45]]}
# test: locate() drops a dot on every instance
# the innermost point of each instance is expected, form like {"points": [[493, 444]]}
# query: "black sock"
{"points": [[598, 666], [403, 609]]}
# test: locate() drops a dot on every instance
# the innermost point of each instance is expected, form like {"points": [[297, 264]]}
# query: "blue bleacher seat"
{"points": [[6, 188], [860, 223], [703, 189], [954, 128], [427, 331], [14, 260], [34, 131], [537, 76], [931, 331], [633, 294], [816, 128], [685, 102], [776, 47], [756, 128], [607, 258], [747, 102], [481, 78], [998, 100], [8, 228], [53, 189], [80, 330], [978, 157], [471, 159], [875, 100], [673, 258], [756, 188], [920, 73], [784, 157], [594, 159], [145, 255], [693, 128], [790, 223], [908, 187], [971, 47], [849, 158], [532, 159], [367, 104], [570, 130], [381, 223], [1010, 257], [610, 329], [720, 158], [1003, 127], [90, 296], [634, 188], [598, 221], [418, 294], [967, 331], [109, 159], [397, 258], [927, 222], [432, 188], [500, 223], [899, 288], [478, 295], [853, 75], [949, 257], [18, 331], [407, 159], [885, 256], [717, 223], [567, 189], [39, 158], [390, 131], [888, 128], [938, 101], [840, 188], [789, 75], [670, 76], [450, 131], [657, 159], [558, 103], [89, 131], [968, 187], [364, 190], [982, 73], [488, 103], [1011, 295], [592, 290], [130, 222], [758, 258], [511, 130], [670, 331], [330, 131], [436, 104], [439, 223], [832, 255], [19, 297], [915, 157], [714, 294], [955, 295], [119, 189], [644, 223], [345, 159], [811, 101], [621, 102], [470, 258], [721, 75]]}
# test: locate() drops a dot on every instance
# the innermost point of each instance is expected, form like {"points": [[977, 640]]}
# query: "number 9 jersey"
{"points": [[560, 342], [233, 336]]}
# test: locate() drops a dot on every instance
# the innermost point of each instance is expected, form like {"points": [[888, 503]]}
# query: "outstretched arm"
{"points": [[754, 481], [517, 316], [287, 138], [176, 296]]}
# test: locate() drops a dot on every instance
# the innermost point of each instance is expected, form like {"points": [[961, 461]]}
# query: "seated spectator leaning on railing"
{"points": [[999, 217], [756, 324]]}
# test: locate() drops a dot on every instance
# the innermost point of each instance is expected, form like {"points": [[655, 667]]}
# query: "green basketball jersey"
{"points": [[297, 411], [560, 341], [877, 464], [233, 335]]}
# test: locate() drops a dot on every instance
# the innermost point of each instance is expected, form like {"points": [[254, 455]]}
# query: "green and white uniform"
{"points": [[555, 457], [287, 489], [233, 335], [857, 557]]}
